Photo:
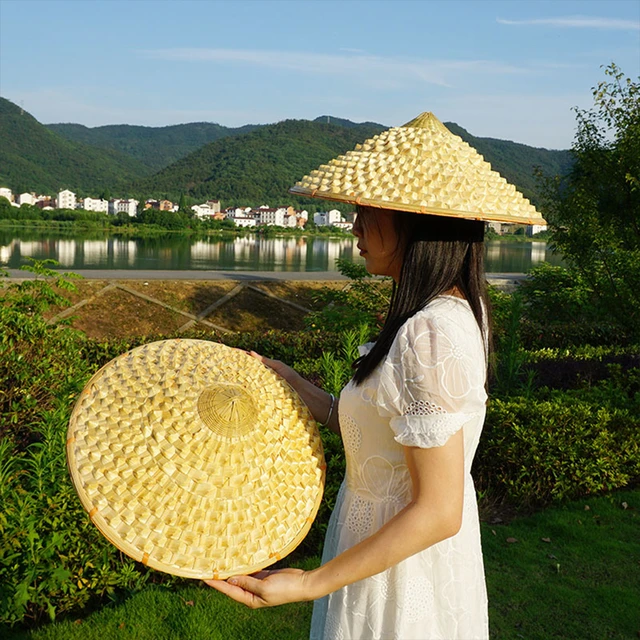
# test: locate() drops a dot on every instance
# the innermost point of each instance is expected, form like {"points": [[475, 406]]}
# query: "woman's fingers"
{"points": [[241, 589], [278, 366], [265, 588]]}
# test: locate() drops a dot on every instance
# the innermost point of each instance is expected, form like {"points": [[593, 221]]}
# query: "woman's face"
{"points": [[378, 242]]}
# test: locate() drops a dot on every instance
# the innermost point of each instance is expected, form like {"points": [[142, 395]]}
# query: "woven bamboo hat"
{"points": [[196, 459], [422, 168]]}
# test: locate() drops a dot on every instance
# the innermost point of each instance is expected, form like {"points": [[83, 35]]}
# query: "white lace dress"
{"points": [[430, 385]]}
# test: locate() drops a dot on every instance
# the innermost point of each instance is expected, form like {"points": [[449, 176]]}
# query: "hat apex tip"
{"points": [[425, 120]]}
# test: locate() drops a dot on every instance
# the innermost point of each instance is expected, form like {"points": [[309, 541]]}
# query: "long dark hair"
{"points": [[440, 254]]}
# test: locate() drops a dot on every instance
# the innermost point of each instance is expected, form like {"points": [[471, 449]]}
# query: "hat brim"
{"points": [[409, 208]]}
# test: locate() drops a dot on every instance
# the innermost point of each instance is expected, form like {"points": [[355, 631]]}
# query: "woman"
{"points": [[402, 555]]}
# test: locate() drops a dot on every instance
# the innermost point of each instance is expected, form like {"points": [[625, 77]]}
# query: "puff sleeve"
{"points": [[432, 380]]}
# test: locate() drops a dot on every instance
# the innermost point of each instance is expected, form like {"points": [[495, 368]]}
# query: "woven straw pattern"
{"points": [[196, 459], [421, 168]]}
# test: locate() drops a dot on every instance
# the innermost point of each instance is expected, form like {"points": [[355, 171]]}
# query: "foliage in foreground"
{"points": [[52, 559]]}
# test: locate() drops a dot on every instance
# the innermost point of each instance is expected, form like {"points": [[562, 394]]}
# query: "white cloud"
{"points": [[368, 69], [578, 22]]}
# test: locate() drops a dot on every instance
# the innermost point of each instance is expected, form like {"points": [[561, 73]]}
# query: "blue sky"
{"points": [[511, 69]]}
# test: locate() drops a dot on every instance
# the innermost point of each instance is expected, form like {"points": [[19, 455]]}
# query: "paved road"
{"points": [[123, 274]]}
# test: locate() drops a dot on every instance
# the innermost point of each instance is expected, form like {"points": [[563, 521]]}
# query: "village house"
{"points": [[242, 217], [26, 198], [5, 192], [95, 204], [328, 218], [46, 203], [160, 205], [532, 229], [127, 205], [66, 200], [209, 209], [271, 217]]}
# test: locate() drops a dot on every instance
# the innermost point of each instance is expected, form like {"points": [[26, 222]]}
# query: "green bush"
{"points": [[363, 302], [39, 363], [52, 559], [561, 309], [560, 445]]}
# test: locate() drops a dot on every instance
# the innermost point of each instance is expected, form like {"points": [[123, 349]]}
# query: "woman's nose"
{"points": [[356, 230]]}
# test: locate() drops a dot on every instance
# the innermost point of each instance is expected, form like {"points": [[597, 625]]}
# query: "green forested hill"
{"points": [[252, 165], [32, 158], [348, 123], [154, 147], [258, 167]]}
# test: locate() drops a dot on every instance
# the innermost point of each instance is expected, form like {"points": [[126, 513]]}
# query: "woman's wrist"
{"points": [[311, 585]]}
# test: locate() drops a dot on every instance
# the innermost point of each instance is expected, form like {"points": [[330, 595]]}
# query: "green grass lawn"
{"points": [[572, 572]]}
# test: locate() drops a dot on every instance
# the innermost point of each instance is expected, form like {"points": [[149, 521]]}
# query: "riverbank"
{"points": [[497, 279], [121, 304]]}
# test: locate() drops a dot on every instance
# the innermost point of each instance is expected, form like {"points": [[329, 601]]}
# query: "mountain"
{"points": [[260, 166], [33, 158], [154, 147], [253, 165], [257, 167]]}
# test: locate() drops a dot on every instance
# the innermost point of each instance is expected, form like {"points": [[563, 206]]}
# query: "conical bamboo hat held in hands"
{"points": [[420, 167], [196, 459]]}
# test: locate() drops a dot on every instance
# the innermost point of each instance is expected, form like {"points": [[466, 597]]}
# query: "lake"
{"points": [[249, 253]]}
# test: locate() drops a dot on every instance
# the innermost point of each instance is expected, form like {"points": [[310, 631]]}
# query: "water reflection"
{"points": [[538, 252], [249, 253]]}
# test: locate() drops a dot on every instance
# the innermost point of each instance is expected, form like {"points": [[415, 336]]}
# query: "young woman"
{"points": [[402, 555]]}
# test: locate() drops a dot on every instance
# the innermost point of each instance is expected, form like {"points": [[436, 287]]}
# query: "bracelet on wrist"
{"points": [[331, 408]]}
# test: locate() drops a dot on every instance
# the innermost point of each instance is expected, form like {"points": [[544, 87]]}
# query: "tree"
{"points": [[594, 213]]}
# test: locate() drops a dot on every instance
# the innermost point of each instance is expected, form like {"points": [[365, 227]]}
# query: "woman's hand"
{"points": [[318, 401], [265, 588], [282, 369]]}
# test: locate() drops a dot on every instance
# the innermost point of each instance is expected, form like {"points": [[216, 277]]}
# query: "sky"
{"points": [[512, 69]]}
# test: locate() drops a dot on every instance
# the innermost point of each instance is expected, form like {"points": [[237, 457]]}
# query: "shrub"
{"points": [[561, 309], [364, 301], [52, 559], [39, 363], [594, 210], [561, 445]]}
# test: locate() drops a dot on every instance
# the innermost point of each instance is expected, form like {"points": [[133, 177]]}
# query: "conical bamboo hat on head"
{"points": [[196, 459], [420, 167]]}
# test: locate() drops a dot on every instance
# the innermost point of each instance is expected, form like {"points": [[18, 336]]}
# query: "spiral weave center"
{"points": [[228, 410]]}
